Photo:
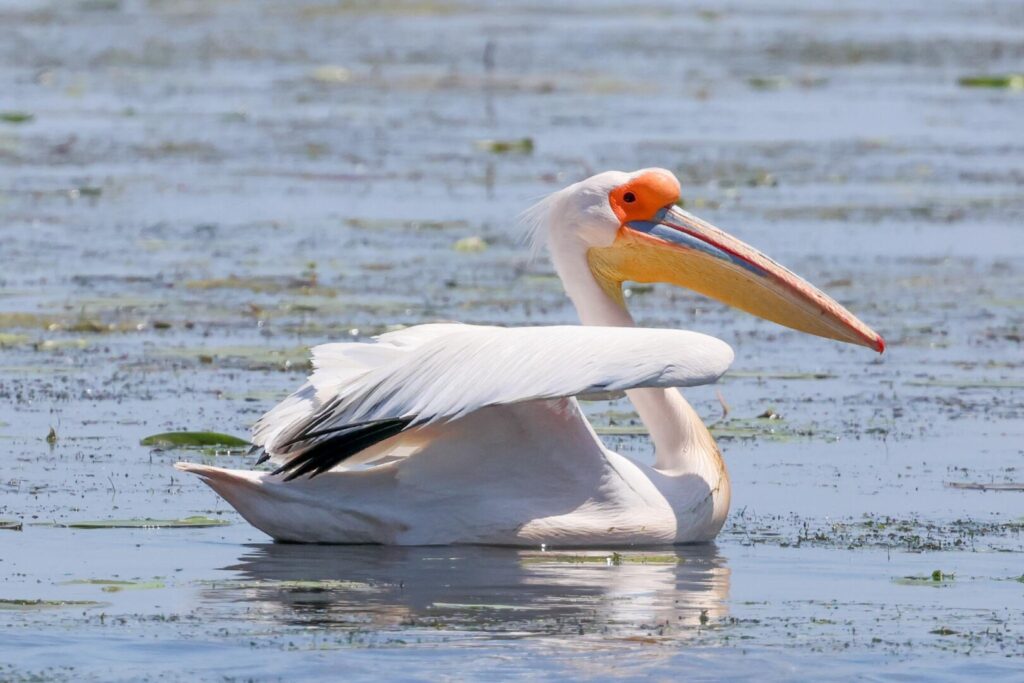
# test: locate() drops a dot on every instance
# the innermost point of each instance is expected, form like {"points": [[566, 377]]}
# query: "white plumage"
{"points": [[498, 450], [436, 373], [449, 433]]}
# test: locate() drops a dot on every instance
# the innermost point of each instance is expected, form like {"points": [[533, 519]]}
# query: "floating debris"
{"points": [[51, 436]]}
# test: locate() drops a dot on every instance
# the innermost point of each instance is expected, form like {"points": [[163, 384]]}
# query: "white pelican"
{"points": [[449, 433]]}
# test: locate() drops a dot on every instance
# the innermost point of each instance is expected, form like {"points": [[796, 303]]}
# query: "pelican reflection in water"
{"points": [[413, 591]]}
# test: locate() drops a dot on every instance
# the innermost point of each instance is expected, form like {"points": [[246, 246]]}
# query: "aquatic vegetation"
{"points": [[116, 585], [60, 344], [264, 285], [291, 585], [8, 339], [394, 8], [254, 358], [986, 486], [36, 604], [194, 522], [780, 375], [779, 82], [768, 426], [11, 320], [621, 430], [879, 531], [481, 606], [944, 631], [615, 558], [330, 74], [158, 279], [470, 245], [966, 383], [16, 116], [936, 579], [1007, 81], [520, 146], [168, 440]]}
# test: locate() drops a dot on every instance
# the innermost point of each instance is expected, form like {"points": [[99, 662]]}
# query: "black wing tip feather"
{"points": [[344, 443], [256, 449]]}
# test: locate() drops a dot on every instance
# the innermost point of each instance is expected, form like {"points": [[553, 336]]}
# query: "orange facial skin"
{"points": [[642, 197], [688, 252]]}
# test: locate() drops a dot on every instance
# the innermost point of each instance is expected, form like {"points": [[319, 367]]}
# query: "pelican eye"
{"points": [[629, 197]]}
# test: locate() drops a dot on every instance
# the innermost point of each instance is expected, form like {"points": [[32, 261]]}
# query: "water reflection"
{"points": [[502, 591]]}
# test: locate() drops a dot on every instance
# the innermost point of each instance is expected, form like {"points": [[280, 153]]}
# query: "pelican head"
{"points": [[617, 226]]}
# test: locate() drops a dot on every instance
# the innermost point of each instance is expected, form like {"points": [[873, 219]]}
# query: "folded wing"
{"points": [[362, 394]]}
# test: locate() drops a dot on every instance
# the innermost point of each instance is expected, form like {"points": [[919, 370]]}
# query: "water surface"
{"points": [[192, 194]]}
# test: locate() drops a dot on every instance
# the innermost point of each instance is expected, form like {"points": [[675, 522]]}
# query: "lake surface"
{"points": [[193, 193]]}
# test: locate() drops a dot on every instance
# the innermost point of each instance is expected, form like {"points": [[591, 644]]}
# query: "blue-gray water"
{"points": [[193, 193]]}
